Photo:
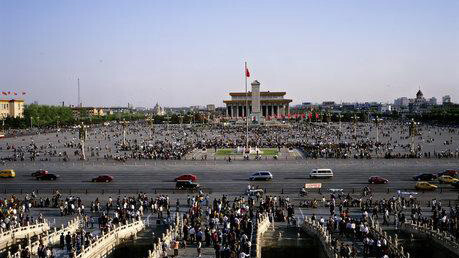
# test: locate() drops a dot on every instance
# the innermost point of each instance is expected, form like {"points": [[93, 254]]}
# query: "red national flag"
{"points": [[289, 116], [247, 73], [310, 115], [303, 116], [317, 115], [295, 116]]}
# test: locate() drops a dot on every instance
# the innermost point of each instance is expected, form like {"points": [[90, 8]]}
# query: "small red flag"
{"points": [[317, 115], [247, 73], [310, 115]]}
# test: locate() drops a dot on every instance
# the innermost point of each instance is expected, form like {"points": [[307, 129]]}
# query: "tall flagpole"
{"points": [[247, 110]]}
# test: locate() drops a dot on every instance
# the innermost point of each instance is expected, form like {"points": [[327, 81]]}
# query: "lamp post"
{"points": [[150, 121], [181, 120], [124, 124], [339, 118], [377, 120], [413, 132], [82, 136], [354, 120], [167, 118]]}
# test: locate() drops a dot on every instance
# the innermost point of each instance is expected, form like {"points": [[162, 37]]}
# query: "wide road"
{"points": [[224, 177]]}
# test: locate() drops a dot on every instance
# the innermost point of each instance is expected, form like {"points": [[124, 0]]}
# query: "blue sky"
{"points": [[181, 53]]}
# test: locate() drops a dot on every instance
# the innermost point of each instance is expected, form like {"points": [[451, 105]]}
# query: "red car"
{"points": [[187, 177], [449, 172], [103, 178], [377, 180], [40, 172]]}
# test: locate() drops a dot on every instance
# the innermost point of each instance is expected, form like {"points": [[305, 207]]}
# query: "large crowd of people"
{"points": [[315, 140]]}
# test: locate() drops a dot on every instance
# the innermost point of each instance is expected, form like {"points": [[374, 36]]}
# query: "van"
{"points": [[7, 173], [321, 173]]}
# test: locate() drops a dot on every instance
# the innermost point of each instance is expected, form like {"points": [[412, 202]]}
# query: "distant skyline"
{"points": [[183, 53]]}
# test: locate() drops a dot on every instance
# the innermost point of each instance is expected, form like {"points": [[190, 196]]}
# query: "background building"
{"points": [[11, 108], [271, 103]]}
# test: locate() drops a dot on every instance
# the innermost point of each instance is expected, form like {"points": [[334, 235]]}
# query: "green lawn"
{"points": [[266, 152]]}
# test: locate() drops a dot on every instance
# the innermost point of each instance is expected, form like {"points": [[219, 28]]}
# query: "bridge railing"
{"points": [[260, 226], [170, 234], [105, 244], [392, 242], [47, 238], [9, 237], [313, 227], [442, 238]]}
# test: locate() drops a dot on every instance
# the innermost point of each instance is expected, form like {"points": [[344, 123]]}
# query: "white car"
{"points": [[321, 173], [261, 175]]}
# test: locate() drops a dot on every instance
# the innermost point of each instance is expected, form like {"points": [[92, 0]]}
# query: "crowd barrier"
{"points": [[441, 238]]}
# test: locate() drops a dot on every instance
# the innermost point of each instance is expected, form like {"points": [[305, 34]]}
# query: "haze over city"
{"points": [[182, 53]]}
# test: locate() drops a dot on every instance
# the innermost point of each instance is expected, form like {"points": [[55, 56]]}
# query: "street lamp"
{"points": [[167, 118], [354, 120], [339, 118], [150, 121], [180, 116], [124, 124], [413, 132], [377, 120], [82, 136]]}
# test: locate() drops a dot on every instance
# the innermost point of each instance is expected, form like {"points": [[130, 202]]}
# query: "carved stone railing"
{"points": [[9, 237], [441, 238], [170, 234], [47, 238], [106, 243], [393, 244], [260, 226], [312, 227]]}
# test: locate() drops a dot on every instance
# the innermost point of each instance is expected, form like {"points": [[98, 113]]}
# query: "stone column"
{"points": [[227, 112]]}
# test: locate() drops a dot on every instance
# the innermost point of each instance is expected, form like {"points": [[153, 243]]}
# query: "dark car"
{"points": [[425, 177], [455, 184], [185, 184], [187, 177], [103, 178], [449, 172], [47, 177], [39, 172], [377, 180]]}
